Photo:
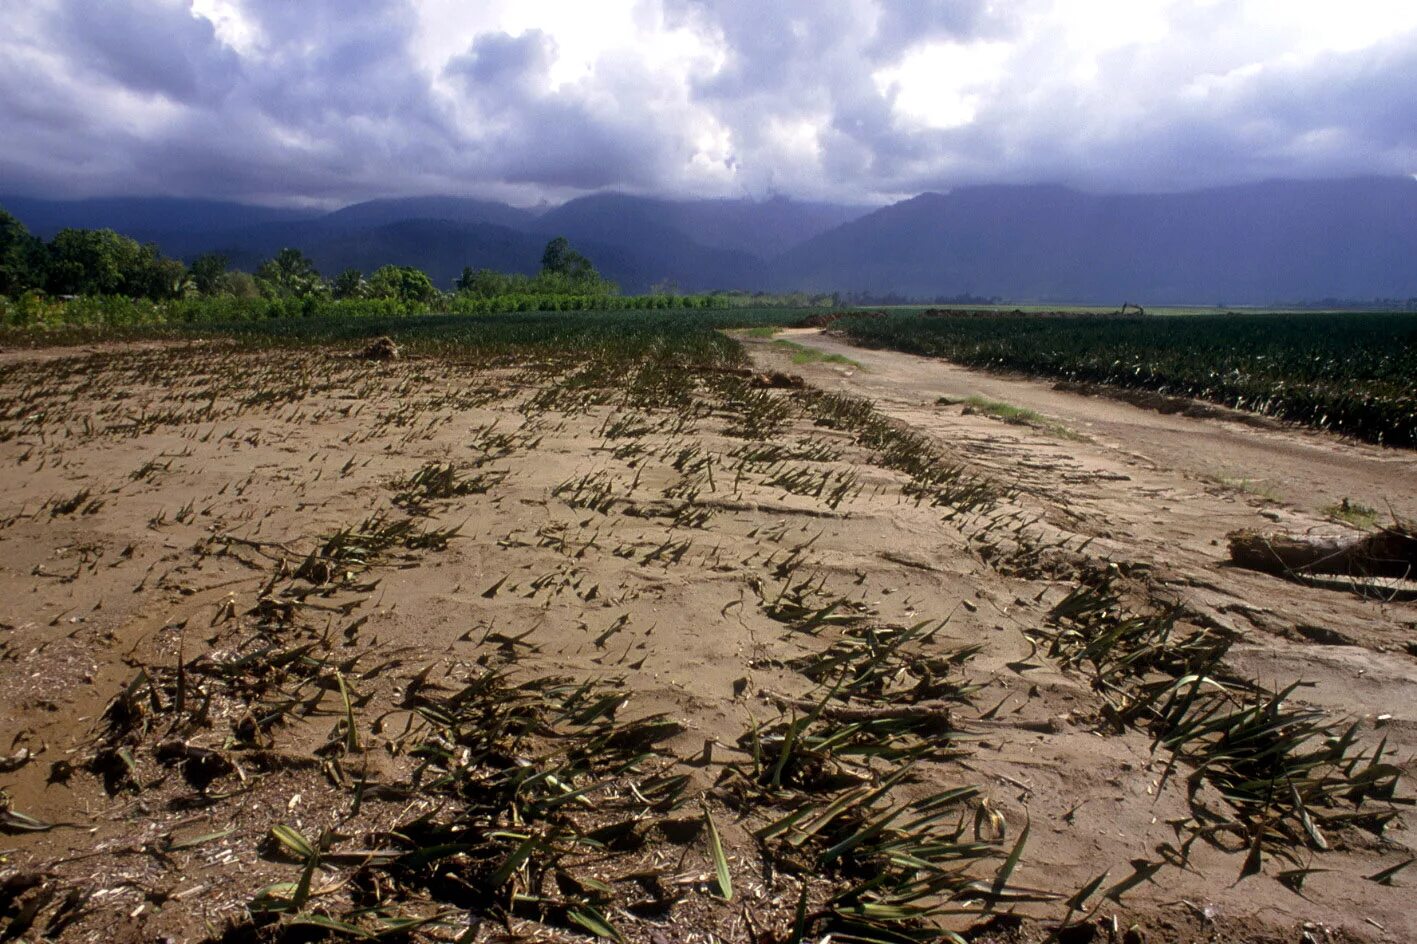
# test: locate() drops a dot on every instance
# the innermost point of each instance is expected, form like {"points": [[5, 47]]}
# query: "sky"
{"points": [[326, 102]]}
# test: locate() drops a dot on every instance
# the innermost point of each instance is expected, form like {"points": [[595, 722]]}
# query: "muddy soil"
{"points": [[1308, 470], [186, 511]]}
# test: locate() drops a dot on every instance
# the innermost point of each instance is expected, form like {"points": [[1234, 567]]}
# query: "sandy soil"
{"points": [[169, 512], [1308, 470], [1163, 489]]}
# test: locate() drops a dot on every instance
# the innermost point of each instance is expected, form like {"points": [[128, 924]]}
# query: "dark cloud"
{"points": [[579, 137], [337, 100], [500, 59], [159, 48]]}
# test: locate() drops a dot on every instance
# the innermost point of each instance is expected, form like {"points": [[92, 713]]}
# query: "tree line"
{"points": [[101, 262]]}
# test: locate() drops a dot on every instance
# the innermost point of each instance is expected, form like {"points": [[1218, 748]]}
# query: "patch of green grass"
{"points": [[801, 354], [1017, 416], [1355, 513], [762, 331], [1258, 488]]}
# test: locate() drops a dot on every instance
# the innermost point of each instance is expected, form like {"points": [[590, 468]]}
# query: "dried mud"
{"points": [[295, 644]]}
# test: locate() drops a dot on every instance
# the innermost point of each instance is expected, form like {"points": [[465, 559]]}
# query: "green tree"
{"points": [[405, 283], [207, 271], [101, 262], [489, 283], [162, 277], [88, 262], [291, 274], [240, 285], [350, 284], [21, 257], [467, 282], [560, 259]]}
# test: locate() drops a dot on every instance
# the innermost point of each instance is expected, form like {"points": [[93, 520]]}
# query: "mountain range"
{"points": [[1248, 244]]}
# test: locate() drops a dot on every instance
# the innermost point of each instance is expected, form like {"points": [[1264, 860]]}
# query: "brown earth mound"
{"points": [[1387, 552], [380, 349]]}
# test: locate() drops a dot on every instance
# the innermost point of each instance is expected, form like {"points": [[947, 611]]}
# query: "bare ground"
{"points": [[1305, 469], [162, 512]]}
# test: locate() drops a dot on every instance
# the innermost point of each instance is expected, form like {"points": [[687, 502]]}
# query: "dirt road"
{"points": [[1309, 471], [1162, 492]]}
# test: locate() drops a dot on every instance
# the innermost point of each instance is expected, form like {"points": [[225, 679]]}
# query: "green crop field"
{"points": [[631, 329], [1352, 373]]}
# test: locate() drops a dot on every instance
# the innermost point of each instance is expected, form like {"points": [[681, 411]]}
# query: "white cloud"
{"points": [[940, 85], [333, 100]]}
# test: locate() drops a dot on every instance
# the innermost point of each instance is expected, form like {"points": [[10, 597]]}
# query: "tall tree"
{"points": [[207, 271], [101, 262], [405, 283], [21, 257], [565, 271], [291, 274], [350, 284], [560, 259]]}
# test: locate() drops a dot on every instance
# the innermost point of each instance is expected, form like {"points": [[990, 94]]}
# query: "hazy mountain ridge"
{"points": [[637, 242], [142, 217], [1255, 243], [1246, 244], [450, 209], [759, 228]]}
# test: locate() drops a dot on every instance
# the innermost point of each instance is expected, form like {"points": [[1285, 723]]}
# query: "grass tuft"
{"points": [[801, 354], [1353, 513], [1017, 416]]}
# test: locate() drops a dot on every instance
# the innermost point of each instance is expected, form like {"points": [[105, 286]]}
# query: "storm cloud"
{"points": [[330, 101]]}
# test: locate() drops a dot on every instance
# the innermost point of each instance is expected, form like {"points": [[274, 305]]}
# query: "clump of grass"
{"points": [[438, 481], [539, 784], [1257, 488], [1017, 416], [801, 354], [935, 478], [1354, 513], [762, 331], [1285, 772], [80, 499]]}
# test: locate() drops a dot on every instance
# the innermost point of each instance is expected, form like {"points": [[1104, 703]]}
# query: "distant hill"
{"points": [[439, 247], [450, 209], [640, 225], [442, 248], [1252, 244], [763, 228], [1257, 243], [142, 217], [638, 242]]}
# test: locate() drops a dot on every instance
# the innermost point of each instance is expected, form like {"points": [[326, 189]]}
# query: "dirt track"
{"points": [[1163, 489], [1307, 470], [1151, 489]]}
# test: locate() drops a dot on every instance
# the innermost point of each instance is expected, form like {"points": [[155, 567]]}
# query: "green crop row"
{"points": [[685, 336], [115, 311], [693, 336]]}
